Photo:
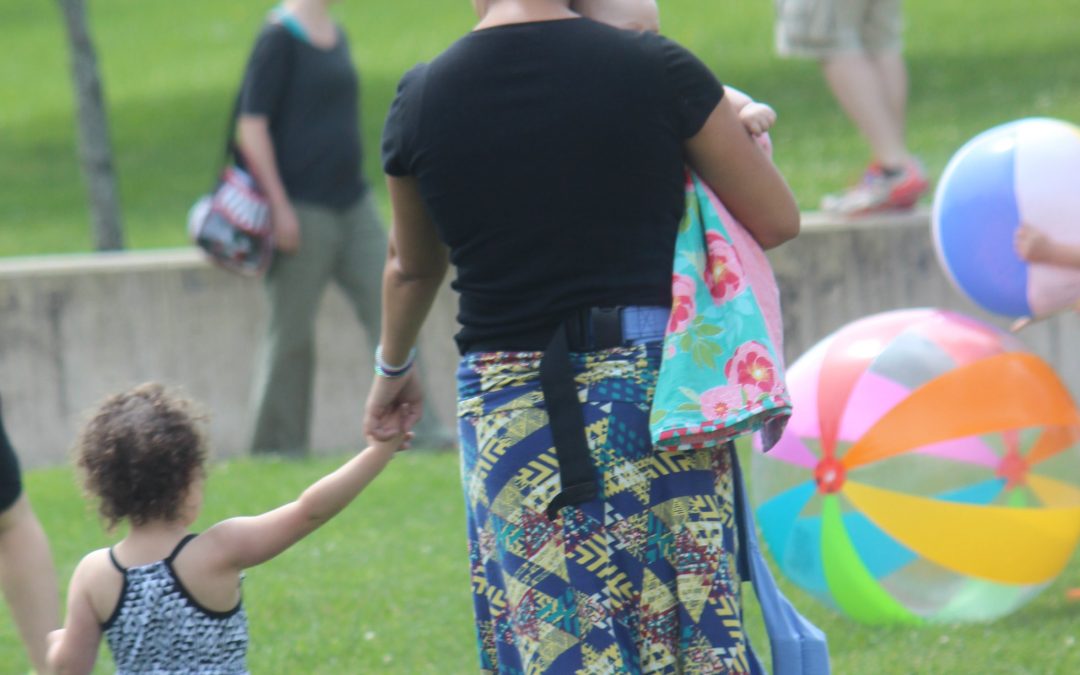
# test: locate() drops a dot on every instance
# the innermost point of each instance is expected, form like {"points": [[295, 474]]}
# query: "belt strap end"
{"points": [[572, 496]]}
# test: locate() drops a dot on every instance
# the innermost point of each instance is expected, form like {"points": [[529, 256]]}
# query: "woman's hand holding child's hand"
{"points": [[394, 406], [393, 446]]}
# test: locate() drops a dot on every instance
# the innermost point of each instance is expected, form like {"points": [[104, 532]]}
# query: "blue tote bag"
{"points": [[798, 646]]}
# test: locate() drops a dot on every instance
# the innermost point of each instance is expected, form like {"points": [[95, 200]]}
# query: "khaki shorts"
{"points": [[822, 28]]}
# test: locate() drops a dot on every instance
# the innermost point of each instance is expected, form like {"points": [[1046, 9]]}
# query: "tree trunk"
{"points": [[95, 150]]}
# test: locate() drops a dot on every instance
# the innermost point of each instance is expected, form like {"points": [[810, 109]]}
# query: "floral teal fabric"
{"points": [[722, 374]]}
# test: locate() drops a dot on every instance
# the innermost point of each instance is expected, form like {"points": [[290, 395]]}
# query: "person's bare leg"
{"points": [[892, 73], [857, 85], [28, 578]]}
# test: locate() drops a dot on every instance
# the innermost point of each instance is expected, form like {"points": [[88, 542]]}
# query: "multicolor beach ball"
{"points": [[930, 471], [1024, 172]]}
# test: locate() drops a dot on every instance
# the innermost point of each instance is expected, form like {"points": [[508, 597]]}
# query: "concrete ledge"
{"points": [[76, 327], [820, 221], [103, 263], [837, 271]]}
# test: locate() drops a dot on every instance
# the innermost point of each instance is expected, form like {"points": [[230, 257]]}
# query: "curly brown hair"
{"points": [[139, 454]]}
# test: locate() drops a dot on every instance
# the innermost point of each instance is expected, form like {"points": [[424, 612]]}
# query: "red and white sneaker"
{"points": [[878, 191]]}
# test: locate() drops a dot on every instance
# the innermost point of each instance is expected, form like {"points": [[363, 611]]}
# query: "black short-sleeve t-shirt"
{"points": [[10, 479], [311, 97], [550, 157]]}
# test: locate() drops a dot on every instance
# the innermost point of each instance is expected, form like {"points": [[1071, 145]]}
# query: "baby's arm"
{"points": [[74, 648], [757, 117], [1034, 246], [240, 543]]}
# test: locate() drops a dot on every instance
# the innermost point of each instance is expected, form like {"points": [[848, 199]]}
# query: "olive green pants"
{"points": [[348, 247]]}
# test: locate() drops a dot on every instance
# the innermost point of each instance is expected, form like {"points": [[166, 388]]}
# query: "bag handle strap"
{"points": [[231, 150], [798, 646], [744, 523]]}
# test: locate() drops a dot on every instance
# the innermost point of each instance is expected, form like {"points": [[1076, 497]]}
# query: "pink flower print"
{"points": [[724, 273], [753, 368], [682, 307], [716, 402]]}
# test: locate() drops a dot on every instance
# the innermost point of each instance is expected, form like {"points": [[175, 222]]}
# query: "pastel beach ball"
{"points": [[929, 473], [1023, 172]]}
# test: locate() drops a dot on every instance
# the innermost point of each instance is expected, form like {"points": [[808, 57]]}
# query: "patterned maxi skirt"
{"points": [[641, 580]]}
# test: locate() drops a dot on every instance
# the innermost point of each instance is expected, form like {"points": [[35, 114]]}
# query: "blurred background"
{"points": [[170, 71]]}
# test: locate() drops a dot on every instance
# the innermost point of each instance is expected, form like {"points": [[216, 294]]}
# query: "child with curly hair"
{"points": [[168, 600]]}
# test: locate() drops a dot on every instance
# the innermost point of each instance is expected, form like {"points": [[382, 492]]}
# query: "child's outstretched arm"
{"points": [[240, 543]]}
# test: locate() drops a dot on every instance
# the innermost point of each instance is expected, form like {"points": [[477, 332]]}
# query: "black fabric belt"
{"points": [[577, 474], [586, 330]]}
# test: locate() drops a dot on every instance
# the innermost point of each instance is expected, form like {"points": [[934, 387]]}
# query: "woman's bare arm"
{"points": [[728, 160], [258, 150], [415, 266]]}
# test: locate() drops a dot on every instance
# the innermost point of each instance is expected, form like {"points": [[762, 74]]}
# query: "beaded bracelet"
{"points": [[383, 369]]}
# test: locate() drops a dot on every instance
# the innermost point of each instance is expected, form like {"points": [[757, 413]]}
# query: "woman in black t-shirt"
{"points": [[543, 155], [299, 133]]}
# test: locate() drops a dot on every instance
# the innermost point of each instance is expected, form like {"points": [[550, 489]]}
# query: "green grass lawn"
{"points": [[171, 69], [384, 587]]}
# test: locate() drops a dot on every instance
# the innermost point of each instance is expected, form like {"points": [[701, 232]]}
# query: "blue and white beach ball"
{"points": [[1023, 172]]}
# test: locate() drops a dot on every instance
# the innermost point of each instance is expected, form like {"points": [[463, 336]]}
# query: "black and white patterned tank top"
{"points": [[158, 628]]}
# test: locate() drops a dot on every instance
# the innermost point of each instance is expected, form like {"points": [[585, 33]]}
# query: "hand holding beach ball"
{"points": [[1013, 188]]}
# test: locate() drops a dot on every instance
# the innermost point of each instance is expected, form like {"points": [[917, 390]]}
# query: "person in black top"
{"points": [[27, 575], [543, 155], [299, 136]]}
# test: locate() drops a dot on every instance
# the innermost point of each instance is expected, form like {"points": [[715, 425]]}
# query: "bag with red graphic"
{"points": [[232, 224]]}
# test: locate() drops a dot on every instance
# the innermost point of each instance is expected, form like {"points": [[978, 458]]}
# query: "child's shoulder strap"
{"points": [[179, 547], [115, 562]]}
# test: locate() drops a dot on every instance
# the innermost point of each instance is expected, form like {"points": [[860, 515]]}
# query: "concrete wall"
{"points": [[74, 328], [836, 272]]}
